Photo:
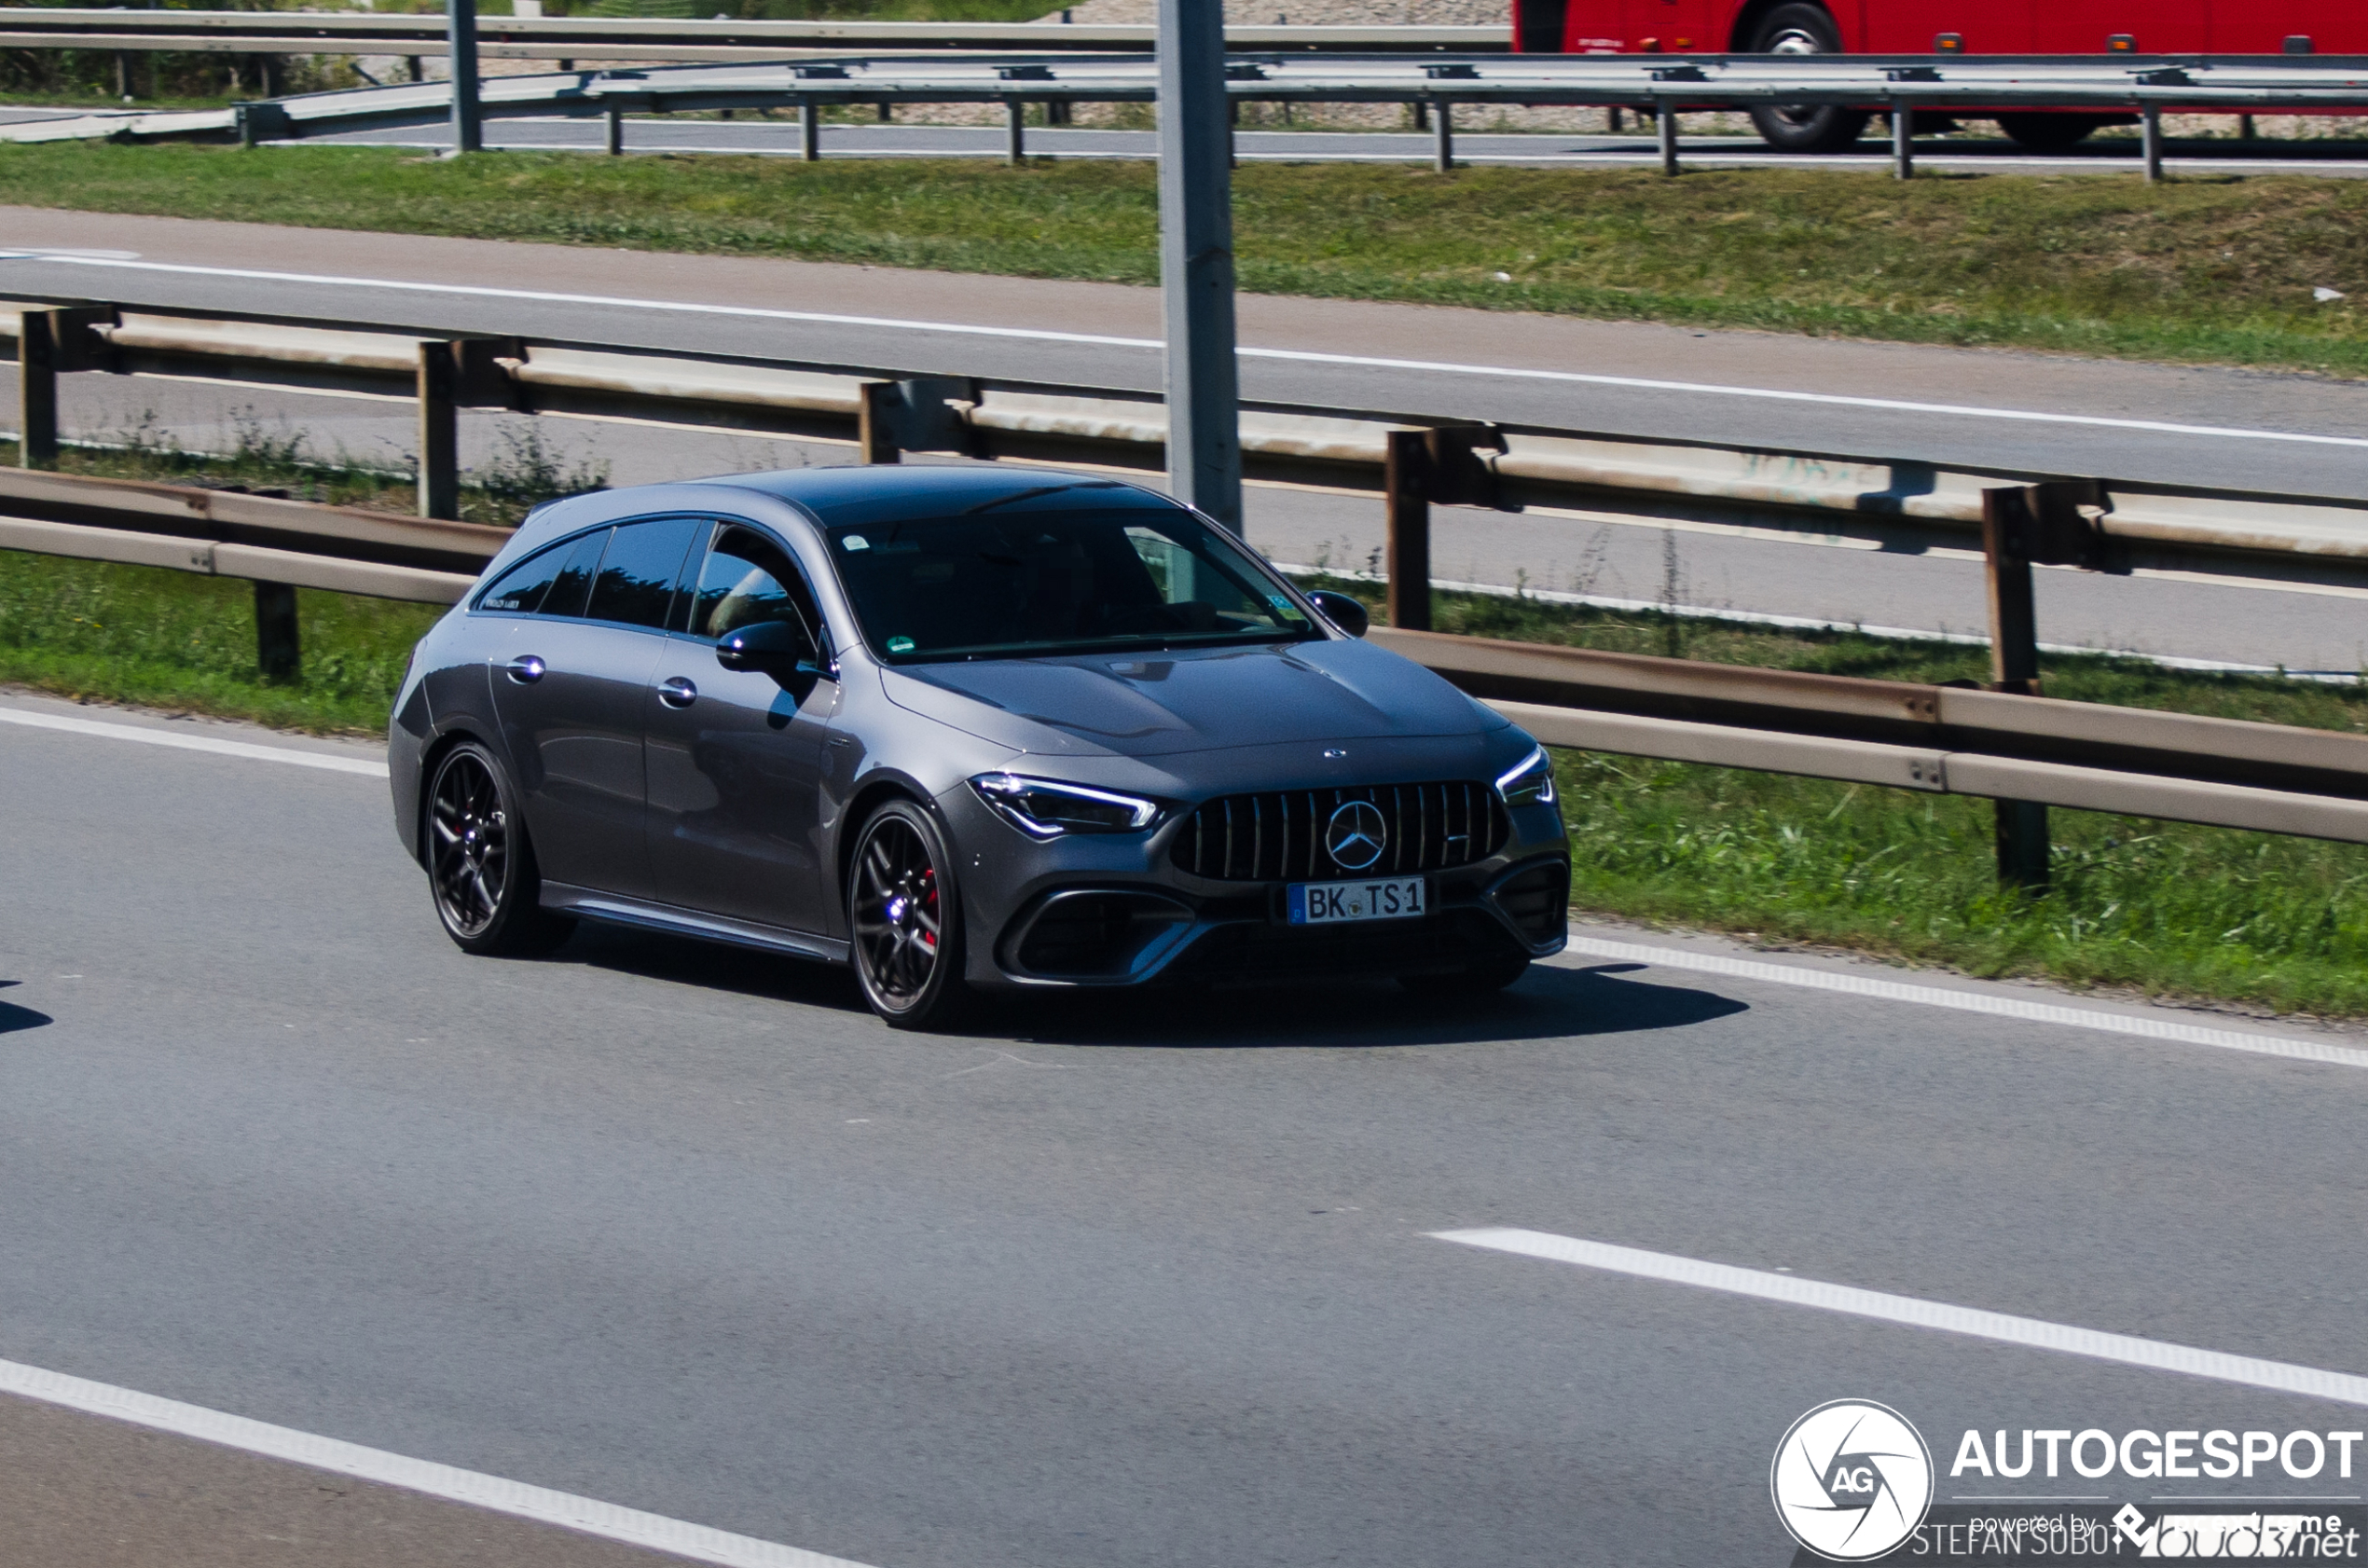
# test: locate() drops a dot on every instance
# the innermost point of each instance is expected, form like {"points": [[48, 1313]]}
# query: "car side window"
{"points": [[745, 579], [637, 577], [550, 582]]}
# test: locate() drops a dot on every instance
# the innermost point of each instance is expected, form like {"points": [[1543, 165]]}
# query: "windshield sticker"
{"points": [[855, 542], [899, 644]]}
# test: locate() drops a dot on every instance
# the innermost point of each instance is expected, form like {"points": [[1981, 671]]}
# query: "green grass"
{"points": [[173, 640], [2216, 268], [2161, 907]]}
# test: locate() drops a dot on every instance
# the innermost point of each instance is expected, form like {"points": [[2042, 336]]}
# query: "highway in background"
{"points": [[2021, 411], [1095, 1287]]}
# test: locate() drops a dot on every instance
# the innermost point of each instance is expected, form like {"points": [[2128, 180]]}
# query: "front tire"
{"points": [[1803, 128], [481, 868], [904, 916]]}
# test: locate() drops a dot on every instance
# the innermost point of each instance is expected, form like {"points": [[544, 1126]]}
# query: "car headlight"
{"points": [[1042, 808], [1529, 783]]}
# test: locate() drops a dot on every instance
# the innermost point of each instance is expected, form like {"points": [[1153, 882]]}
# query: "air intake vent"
{"points": [[1278, 835]]}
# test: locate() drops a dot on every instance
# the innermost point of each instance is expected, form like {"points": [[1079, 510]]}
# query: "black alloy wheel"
{"points": [[1803, 128], [904, 910], [2041, 132], [480, 866]]}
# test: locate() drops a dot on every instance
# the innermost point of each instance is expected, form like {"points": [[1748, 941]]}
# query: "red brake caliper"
{"points": [[928, 901]]}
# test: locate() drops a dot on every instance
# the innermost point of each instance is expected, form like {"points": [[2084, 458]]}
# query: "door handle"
{"points": [[678, 693], [526, 669]]}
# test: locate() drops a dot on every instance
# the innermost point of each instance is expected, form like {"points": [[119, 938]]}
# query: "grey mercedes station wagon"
{"points": [[965, 729]]}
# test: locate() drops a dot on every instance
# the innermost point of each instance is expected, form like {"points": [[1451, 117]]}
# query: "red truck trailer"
{"points": [[1937, 26]]}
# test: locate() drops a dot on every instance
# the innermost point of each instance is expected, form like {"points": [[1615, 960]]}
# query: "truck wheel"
{"points": [[1803, 128]]}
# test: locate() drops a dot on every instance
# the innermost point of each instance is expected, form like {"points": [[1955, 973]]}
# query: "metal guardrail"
{"points": [[1939, 739], [616, 38], [1410, 462], [1660, 85]]}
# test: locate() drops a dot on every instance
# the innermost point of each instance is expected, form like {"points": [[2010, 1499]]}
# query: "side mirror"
{"points": [[1341, 610], [779, 649]]}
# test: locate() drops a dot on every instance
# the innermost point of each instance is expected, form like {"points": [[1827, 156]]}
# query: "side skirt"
{"points": [[585, 904]]}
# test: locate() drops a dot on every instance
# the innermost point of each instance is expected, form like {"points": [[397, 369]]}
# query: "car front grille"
{"points": [[1278, 835]]}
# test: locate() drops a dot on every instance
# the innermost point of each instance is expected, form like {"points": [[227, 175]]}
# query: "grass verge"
{"points": [[2166, 908], [2213, 268]]}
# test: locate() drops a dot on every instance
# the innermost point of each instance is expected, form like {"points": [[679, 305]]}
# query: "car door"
{"points": [[570, 682], [737, 758]]}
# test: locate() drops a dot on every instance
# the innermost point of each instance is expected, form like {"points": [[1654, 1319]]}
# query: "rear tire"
{"points": [[1803, 128], [481, 870], [903, 911], [1477, 979], [2048, 133]]}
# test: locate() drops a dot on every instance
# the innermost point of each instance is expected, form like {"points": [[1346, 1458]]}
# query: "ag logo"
{"points": [[1355, 834], [1852, 1479]]}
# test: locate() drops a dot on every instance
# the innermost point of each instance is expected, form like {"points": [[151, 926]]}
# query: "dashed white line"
{"points": [[2018, 1008], [1296, 356], [2284, 1376], [195, 743], [586, 1515]]}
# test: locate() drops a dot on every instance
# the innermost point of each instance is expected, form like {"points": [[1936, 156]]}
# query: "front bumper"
{"points": [[1113, 910]]}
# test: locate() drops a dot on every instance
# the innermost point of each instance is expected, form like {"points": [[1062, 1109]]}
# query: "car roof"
{"points": [[893, 492]]}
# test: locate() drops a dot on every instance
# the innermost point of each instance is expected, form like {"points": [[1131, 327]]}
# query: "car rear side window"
{"points": [[747, 578], [637, 577], [549, 583]]}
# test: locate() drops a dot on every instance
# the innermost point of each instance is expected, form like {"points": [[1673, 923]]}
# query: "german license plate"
{"points": [[1325, 903]]}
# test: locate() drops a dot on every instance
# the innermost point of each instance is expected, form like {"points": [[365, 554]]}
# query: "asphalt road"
{"points": [[1127, 1283], [2024, 411]]}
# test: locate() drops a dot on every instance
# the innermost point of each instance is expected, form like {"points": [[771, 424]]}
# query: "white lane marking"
{"points": [[194, 743], [586, 1515], [1976, 1001], [1296, 356], [2153, 1354]]}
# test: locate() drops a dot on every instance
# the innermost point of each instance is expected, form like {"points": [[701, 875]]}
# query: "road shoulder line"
{"points": [[195, 743], [586, 1515], [2016, 1008]]}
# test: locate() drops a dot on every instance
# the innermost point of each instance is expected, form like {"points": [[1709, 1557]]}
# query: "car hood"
{"points": [[1149, 705]]}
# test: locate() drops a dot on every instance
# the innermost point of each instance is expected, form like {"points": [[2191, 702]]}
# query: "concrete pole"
{"points": [[1196, 261], [468, 122]]}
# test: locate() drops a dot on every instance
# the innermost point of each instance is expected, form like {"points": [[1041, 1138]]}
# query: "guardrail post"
{"points": [[277, 651], [123, 75], [2008, 526], [1903, 141], [1665, 121], [439, 433], [875, 423], [1406, 475], [1444, 157], [468, 119], [37, 391], [616, 129], [2150, 140], [809, 130], [1015, 123]]}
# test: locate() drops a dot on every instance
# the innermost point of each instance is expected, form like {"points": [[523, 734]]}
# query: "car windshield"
{"points": [[1016, 585]]}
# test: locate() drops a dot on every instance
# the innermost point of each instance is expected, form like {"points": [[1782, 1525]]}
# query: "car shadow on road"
{"points": [[13, 1018], [1548, 1003]]}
